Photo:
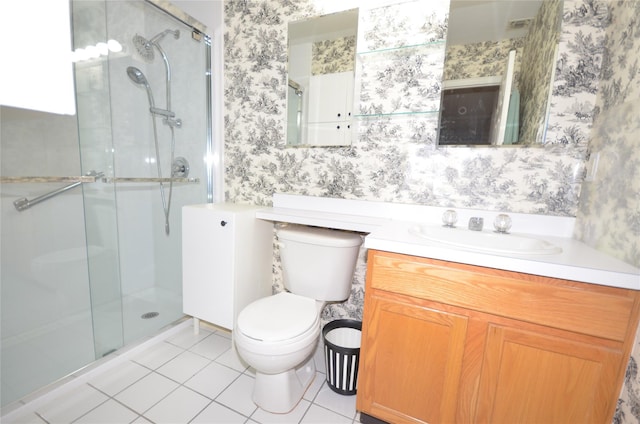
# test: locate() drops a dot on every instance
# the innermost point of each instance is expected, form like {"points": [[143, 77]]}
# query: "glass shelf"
{"points": [[401, 48], [396, 114]]}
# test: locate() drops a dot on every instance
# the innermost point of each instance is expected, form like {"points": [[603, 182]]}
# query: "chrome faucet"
{"points": [[475, 223]]}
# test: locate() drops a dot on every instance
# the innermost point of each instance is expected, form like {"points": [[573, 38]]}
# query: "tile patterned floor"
{"points": [[183, 378]]}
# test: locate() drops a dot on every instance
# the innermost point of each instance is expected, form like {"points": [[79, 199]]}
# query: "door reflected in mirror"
{"points": [[321, 68], [498, 72]]}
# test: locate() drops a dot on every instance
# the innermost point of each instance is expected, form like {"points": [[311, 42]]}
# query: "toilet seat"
{"points": [[283, 316]]}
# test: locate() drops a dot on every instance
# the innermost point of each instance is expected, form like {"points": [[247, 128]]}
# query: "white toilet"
{"points": [[278, 335]]}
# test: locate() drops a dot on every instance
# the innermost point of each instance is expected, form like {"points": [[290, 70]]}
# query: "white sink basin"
{"points": [[486, 241]]}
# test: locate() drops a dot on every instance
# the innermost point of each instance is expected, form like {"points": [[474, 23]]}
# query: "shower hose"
{"points": [[166, 203]]}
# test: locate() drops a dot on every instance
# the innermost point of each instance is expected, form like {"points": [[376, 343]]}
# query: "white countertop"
{"points": [[388, 225], [577, 262]]}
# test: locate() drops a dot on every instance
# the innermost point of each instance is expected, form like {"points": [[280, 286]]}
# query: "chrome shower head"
{"points": [[137, 76], [145, 47]]}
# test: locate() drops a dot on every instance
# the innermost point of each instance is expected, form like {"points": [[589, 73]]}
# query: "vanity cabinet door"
{"points": [[411, 360], [448, 342], [530, 377]]}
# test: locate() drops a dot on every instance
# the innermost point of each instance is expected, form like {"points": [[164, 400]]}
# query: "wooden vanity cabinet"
{"points": [[445, 342]]}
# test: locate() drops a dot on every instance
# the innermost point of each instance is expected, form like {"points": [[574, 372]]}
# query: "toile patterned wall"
{"points": [[332, 56], [394, 156], [609, 210], [537, 64]]}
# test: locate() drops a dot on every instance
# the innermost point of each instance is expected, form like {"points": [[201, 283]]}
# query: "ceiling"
{"points": [[472, 21]]}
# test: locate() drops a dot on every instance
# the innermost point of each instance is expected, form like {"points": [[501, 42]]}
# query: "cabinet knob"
{"points": [[223, 223], [339, 115], [338, 127]]}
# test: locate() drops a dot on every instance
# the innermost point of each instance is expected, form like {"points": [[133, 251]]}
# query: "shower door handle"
{"points": [[23, 203]]}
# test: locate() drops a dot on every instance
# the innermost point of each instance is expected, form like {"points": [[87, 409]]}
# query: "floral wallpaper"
{"points": [[609, 212], [394, 157], [577, 72], [537, 64], [485, 59], [332, 56]]}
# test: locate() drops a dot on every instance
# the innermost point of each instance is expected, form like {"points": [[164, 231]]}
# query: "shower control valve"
{"points": [[176, 123]]}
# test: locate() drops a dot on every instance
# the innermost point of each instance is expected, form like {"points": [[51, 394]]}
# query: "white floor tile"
{"points": [[263, 417], [212, 347], [212, 380], [179, 407], [343, 405], [318, 415], [216, 388], [315, 386], [238, 396], [145, 393], [108, 413], [28, 417], [186, 338], [218, 414], [158, 355], [119, 378], [72, 404], [184, 366], [231, 359]]}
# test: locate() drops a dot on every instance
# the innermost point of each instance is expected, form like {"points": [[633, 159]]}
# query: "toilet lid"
{"points": [[278, 317]]}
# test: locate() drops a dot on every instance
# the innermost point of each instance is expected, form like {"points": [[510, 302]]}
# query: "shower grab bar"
{"points": [[149, 180], [81, 179], [24, 203]]}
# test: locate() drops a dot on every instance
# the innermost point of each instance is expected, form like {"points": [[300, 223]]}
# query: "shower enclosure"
{"points": [[91, 203]]}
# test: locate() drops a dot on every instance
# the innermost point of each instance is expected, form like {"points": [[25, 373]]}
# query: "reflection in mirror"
{"points": [[320, 80], [498, 71]]}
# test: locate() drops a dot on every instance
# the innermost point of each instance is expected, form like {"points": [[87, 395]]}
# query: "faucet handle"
{"points": [[449, 218], [502, 223]]}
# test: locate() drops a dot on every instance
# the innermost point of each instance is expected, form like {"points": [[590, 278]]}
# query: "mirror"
{"points": [[498, 71], [321, 66]]}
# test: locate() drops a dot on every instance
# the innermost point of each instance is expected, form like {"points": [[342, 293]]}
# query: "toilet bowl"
{"points": [[278, 335], [282, 359]]}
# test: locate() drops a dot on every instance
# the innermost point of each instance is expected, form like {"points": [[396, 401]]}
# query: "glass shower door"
{"points": [[90, 268], [145, 120]]}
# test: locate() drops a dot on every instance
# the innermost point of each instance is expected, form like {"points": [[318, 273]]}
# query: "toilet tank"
{"points": [[317, 262]]}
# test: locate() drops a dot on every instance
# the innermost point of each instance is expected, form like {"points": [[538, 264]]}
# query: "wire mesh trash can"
{"points": [[342, 354]]}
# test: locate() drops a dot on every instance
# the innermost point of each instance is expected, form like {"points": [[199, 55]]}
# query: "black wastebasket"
{"points": [[342, 354]]}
